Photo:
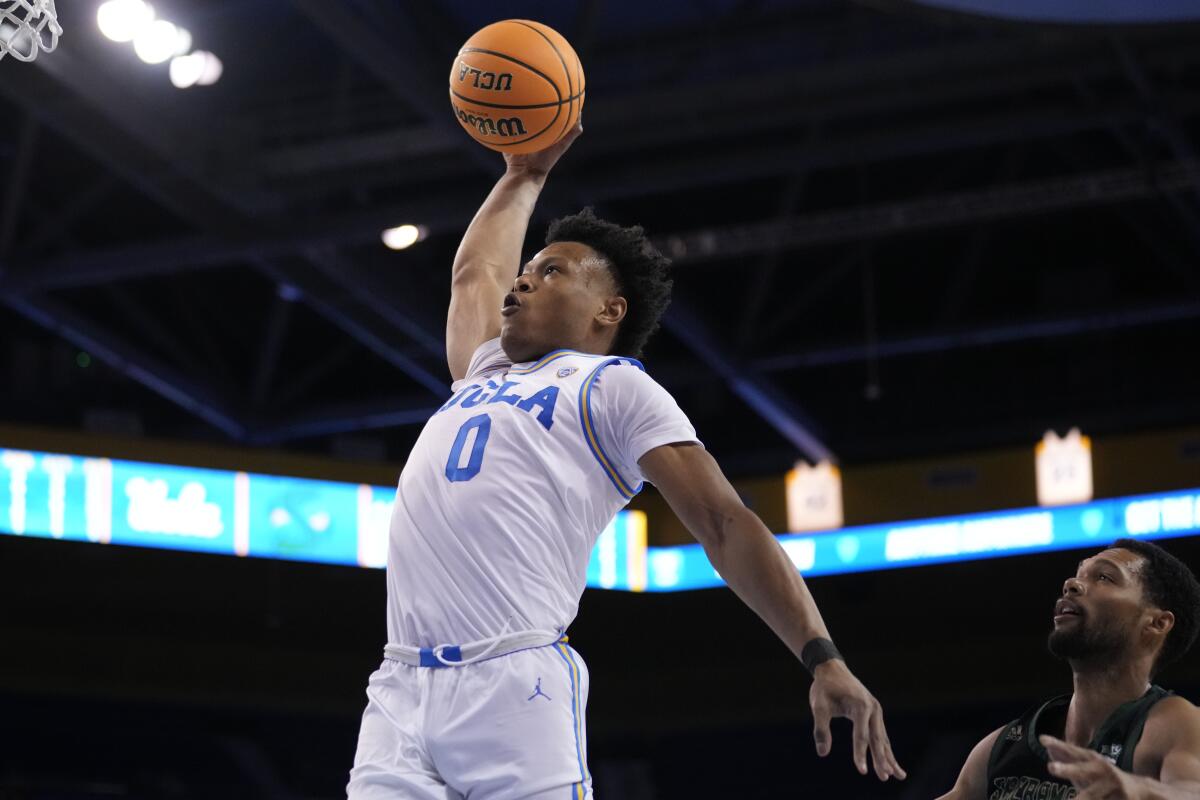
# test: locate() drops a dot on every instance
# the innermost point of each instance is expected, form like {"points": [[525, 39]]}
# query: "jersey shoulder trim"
{"points": [[1141, 714], [587, 419], [1010, 733]]}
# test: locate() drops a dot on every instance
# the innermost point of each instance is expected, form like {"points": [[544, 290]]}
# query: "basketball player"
{"points": [[551, 428], [1128, 611]]}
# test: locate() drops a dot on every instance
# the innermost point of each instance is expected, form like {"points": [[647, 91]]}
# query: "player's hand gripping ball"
{"points": [[517, 86]]}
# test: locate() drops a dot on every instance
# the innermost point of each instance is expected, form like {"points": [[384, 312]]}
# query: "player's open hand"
{"points": [[837, 693], [541, 162], [1094, 775]]}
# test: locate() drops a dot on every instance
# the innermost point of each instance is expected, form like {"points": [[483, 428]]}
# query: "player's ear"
{"points": [[1162, 622], [613, 311]]}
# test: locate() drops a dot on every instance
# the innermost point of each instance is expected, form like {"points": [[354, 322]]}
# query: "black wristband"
{"points": [[817, 652]]}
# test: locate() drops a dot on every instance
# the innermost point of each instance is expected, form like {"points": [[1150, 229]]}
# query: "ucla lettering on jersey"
{"points": [[508, 486], [491, 393]]}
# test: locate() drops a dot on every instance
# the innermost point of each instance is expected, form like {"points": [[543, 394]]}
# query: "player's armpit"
{"points": [[972, 780]]}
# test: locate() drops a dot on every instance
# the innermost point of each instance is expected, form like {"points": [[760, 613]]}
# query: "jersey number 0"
{"points": [[456, 470]]}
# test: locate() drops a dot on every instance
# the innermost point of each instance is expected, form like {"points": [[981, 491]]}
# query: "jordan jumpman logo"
{"points": [[537, 691]]}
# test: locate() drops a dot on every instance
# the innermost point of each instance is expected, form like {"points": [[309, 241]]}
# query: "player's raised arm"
{"points": [[749, 558], [972, 780], [489, 255]]}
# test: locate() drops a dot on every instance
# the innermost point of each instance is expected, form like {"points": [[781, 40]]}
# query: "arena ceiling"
{"points": [[897, 231]]}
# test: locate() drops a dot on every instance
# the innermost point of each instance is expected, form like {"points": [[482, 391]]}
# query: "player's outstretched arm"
{"points": [[1172, 738], [749, 558], [489, 256], [972, 780]]}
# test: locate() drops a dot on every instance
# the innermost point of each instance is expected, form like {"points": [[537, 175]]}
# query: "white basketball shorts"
{"points": [[507, 728]]}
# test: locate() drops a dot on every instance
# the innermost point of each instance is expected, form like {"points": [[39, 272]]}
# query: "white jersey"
{"points": [[508, 487]]}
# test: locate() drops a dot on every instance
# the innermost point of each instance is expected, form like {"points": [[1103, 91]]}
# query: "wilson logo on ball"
{"points": [[484, 80], [509, 126], [516, 86]]}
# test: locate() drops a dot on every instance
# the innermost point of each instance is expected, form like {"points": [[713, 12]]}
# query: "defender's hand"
{"points": [[541, 162], [837, 693], [1093, 774]]}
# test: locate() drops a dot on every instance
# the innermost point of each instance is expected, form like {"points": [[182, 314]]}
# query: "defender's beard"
{"points": [[1083, 642]]}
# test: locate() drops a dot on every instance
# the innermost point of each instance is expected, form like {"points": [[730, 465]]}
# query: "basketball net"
{"points": [[27, 26]]}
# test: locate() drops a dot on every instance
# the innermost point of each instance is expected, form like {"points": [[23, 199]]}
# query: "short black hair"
{"points": [[1169, 584], [641, 272]]}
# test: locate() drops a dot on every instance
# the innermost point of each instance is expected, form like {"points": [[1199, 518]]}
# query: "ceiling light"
{"points": [[123, 20], [404, 236], [160, 40], [200, 68]]}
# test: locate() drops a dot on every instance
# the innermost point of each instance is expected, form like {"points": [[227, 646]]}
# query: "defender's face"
{"points": [[554, 301], [1102, 607]]}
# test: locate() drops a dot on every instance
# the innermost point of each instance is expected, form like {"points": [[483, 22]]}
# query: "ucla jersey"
{"points": [[508, 487]]}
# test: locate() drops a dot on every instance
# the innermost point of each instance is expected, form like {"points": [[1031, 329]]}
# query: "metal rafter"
{"points": [[983, 336], [329, 298], [138, 365], [852, 224], [1166, 124], [150, 156], [364, 287], [332, 420], [779, 411], [639, 119], [10, 213], [108, 128], [938, 211], [400, 61]]}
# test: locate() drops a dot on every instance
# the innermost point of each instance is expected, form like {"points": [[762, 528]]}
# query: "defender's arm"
{"points": [[1181, 764], [1172, 734], [749, 558], [972, 780], [489, 256]]}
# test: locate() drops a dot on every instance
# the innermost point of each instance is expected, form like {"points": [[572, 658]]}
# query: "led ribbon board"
{"points": [[102, 500], [109, 501], [963, 538]]}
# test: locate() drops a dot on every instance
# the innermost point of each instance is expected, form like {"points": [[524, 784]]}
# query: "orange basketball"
{"points": [[517, 86]]}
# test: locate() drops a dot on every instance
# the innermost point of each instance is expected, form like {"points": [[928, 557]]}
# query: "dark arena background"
{"points": [[910, 238]]}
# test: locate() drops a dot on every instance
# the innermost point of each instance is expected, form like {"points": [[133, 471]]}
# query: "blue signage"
{"points": [[108, 501], [963, 538]]}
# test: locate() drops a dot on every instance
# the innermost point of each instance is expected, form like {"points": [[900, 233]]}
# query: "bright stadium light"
{"points": [[123, 20], [404, 236], [186, 70], [212, 70], [160, 40], [200, 68]]}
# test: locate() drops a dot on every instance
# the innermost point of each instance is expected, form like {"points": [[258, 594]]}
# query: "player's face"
{"points": [[555, 301], [1102, 608]]}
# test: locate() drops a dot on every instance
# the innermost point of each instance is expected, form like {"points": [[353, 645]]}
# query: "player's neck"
{"points": [[1099, 690], [592, 345], [598, 341]]}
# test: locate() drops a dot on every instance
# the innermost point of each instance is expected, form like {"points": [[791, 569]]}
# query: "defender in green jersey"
{"points": [[1128, 611]]}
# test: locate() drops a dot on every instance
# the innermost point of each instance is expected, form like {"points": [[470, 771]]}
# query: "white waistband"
{"points": [[446, 655]]}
